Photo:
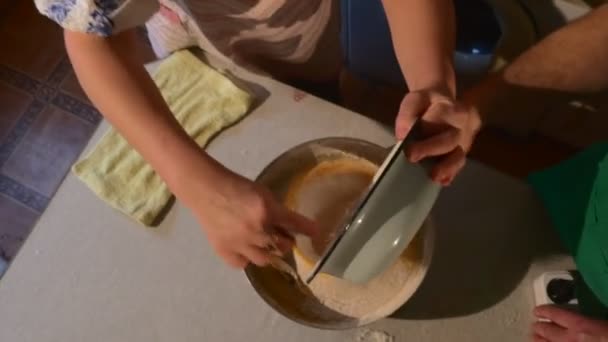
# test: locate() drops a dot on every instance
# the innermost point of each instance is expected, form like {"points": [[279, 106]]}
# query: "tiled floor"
{"points": [[45, 118]]}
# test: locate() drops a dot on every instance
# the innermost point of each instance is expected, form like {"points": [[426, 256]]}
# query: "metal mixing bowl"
{"points": [[281, 292]]}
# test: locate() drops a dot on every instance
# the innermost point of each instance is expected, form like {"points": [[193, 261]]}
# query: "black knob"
{"points": [[560, 291]]}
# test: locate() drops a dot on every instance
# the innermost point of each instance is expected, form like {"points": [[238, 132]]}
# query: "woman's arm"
{"points": [[423, 33], [111, 74], [234, 212]]}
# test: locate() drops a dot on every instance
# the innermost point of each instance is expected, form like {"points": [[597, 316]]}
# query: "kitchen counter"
{"points": [[88, 273]]}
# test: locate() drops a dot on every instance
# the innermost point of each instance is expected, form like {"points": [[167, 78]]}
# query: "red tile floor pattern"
{"points": [[45, 119]]}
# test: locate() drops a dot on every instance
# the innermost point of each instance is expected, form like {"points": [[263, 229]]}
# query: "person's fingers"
{"points": [[272, 239], [293, 222], [440, 112], [235, 260], [436, 145], [284, 243], [550, 331], [258, 256], [262, 239], [412, 107], [561, 317], [449, 166]]}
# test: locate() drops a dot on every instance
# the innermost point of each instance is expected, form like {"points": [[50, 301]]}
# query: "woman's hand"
{"points": [[566, 326], [242, 220], [448, 130]]}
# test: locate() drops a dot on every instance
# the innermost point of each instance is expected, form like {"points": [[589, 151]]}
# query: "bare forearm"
{"points": [[119, 86], [423, 33], [573, 59]]}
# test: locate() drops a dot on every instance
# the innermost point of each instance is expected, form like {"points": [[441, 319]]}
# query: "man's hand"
{"points": [[448, 128], [566, 326]]}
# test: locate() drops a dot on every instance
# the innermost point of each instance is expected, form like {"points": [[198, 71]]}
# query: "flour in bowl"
{"points": [[362, 301], [326, 194]]}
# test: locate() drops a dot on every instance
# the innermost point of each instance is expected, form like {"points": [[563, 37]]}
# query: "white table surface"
{"points": [[88, 273]]}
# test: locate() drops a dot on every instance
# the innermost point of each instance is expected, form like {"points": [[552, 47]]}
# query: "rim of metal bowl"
{"points": [[428, 246]]}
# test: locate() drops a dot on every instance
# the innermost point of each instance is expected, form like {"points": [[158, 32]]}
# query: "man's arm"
{"points": [[423, 34], [572, 60]]}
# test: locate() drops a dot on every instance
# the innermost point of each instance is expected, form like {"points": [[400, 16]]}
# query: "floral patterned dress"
{"points": [[266, 34]]}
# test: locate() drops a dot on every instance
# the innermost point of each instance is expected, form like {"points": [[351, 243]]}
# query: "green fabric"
{"points": [[575, 194], [589, 304], [202, 100]]}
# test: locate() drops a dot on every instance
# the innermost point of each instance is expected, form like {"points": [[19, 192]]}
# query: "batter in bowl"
{"points": [[327, 193]]}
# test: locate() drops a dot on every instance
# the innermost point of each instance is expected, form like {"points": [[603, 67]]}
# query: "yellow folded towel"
{"points": [[202, 100]]}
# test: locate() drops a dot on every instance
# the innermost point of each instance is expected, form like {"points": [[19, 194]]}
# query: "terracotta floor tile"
{"points": [[30, 42], [84, 110], [71, 86], [22, 194], [17, 222], [13, 103], [46, 153]]}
